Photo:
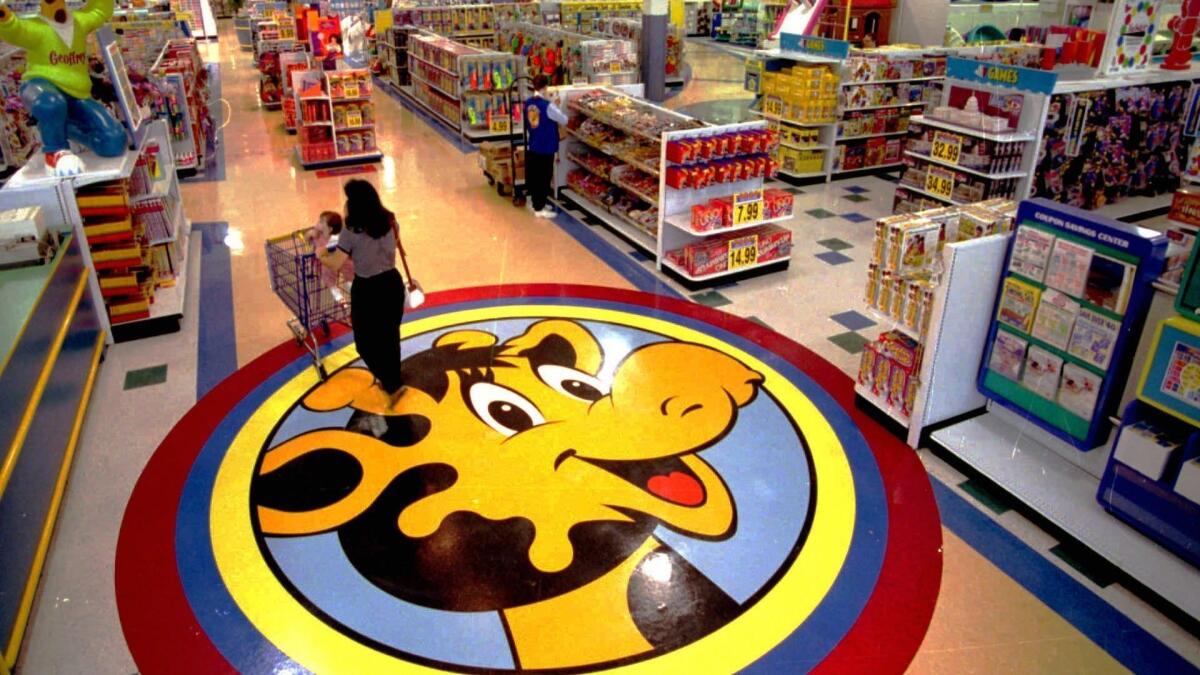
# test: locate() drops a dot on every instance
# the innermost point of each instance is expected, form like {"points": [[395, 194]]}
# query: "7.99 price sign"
{"points": [[747, 207]]}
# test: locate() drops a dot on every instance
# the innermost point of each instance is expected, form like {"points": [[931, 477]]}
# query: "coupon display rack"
{"points": [[463, 87], [689, 195], [979, 142], [336, 118], [188, 116], [568, 57]]}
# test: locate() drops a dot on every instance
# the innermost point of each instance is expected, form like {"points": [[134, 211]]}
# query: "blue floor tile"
{"points": [[639, 255], [853, 320], [834, 258], [855, 217], [856, 189]]}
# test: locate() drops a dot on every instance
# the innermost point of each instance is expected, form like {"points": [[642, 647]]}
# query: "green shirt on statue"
{"points": [[58, 53]]}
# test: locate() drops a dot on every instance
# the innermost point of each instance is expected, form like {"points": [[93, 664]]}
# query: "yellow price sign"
{"points": [[946, 147], [615, 66], [354, 119], [499, 125], [940, 183], [743, 252], [351, 90], [747, 207]]}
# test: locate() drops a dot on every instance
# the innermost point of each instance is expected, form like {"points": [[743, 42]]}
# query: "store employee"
{"points": [[542, 118]]}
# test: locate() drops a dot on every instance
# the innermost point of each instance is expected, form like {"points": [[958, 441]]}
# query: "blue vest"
{"points": [[543, 135]]}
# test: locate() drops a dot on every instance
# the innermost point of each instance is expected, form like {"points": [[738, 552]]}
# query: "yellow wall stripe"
{"points": [[14, 450], [39, 559]]}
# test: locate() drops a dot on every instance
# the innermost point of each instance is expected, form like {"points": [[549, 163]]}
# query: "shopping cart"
{"points": [[295, 276]]}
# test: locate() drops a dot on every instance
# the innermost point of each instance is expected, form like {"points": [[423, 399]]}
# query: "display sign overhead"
{"points": [[1000, 75]]}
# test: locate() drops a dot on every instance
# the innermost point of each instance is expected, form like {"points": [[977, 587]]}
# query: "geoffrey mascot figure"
{"points": [[56, 87]]}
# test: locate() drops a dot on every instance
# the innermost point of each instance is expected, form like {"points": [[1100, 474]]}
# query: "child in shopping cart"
{"points": [[322, 236]]}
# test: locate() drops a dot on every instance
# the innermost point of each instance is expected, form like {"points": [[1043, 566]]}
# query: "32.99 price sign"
{"points": [[747, 207], [946, 147], [743, 252]]}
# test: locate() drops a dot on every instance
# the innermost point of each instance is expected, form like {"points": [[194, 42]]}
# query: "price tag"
{"points": [[354, 119], [351, 90], [615, 66], [743, 252], [747, 207], [940, 182], [946, 147], [499, 125], [773, 106]]}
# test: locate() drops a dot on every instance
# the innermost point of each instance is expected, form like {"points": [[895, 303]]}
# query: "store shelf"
{"points": [[431, 85], [589, 169], [881, 405], [620, 224], [958, 167], [717, 275], [407, 91], [412, 55], [910, 79], [844, 139], [798, 146], [604, 119], [683, 221], [476, 134], [316, 123], [653, 201], [883, 107], [346, 130], [999, 445], [794, 123], [1009, 137], [875, 167], [920, 191], [628, 160], [808, 174], [356, 99]]}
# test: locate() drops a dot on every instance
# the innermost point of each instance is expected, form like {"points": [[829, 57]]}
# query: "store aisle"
{"points": [[1014, 611]]}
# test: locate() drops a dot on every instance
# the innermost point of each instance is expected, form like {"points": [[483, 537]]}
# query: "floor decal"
{"points": [[575, 479]]}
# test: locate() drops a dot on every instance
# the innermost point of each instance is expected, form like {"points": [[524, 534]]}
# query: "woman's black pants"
{"points": [[376, 307]]}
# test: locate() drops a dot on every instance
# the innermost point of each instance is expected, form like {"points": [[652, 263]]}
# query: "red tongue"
{"points": [[677, 487]]}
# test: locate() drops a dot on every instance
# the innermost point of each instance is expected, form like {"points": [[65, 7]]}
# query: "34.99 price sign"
{"points": [[940, 183], [747, 207], [946, 147], [743, 252]]}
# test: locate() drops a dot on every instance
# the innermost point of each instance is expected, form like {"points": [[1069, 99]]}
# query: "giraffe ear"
{"points": [[466, 339], [340, 390]]}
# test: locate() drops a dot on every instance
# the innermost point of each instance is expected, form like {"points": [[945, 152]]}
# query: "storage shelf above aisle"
{"points": [[717, 275], [683, 221], [959, 167], [1007, 137]]}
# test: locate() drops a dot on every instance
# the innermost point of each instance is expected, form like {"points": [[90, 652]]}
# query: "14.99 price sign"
{"points": [[946, 147], [743, 252], [747, 207]]}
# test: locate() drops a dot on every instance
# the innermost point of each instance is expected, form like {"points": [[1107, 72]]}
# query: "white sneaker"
{"points": [[546, 212]]}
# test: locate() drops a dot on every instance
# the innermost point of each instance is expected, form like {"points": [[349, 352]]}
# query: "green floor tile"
{"points": [[835, 244], [820, 213], [856, 198], [1086, 563], [850, 341], [759, 321], [144, 377], [711, 299], [985, 495]]}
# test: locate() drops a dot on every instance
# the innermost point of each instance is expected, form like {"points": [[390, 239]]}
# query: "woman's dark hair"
{"points": [[540, 82], [364, 211]]}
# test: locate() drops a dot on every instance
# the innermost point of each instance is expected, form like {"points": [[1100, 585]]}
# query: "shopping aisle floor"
{"points": [[460, 234]]}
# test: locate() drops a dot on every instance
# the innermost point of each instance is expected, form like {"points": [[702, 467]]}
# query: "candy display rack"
{"points": [[569, 57], [640, 169], [463, 87], [336, 118]]}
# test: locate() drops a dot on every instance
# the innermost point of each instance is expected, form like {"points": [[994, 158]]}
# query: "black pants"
{"points": [[539, 171], [376, 307]]}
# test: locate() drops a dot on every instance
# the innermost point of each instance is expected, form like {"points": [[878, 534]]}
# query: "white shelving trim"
{"points": [[635, 234], [799, 146], [795, 123], [683, 221], [881, 405], [881, 107], [959, 167], [843, 139], [716, 275], [1007, 137], [921, 191]]}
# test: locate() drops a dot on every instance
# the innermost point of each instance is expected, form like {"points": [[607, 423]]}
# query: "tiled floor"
{"points": [[459, 233]]}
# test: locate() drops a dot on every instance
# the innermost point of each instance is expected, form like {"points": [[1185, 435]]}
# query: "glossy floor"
{"points": [[1011, 599]]}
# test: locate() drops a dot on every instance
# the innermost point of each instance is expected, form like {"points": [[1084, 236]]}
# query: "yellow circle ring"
{"points": [[312, 643]]}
